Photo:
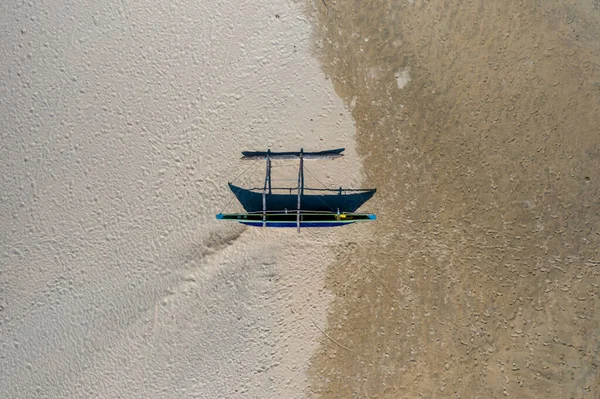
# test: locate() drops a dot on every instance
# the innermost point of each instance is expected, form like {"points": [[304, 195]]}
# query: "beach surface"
{"points": [[121, 124], [478, 123]]}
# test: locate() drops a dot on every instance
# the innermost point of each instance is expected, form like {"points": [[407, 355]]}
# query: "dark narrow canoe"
{"points": [[329, 154]]}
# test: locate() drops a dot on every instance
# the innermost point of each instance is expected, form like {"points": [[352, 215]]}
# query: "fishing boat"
{"points": [[299, 206]]}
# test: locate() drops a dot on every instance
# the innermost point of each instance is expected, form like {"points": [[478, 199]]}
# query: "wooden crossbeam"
{"points": [[264, 196], [300, 187]]}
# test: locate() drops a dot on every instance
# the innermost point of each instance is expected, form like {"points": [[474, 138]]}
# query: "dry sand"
{"points": [[121, 124], [478, 122]]}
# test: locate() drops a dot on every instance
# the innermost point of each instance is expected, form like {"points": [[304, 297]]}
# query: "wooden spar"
{"points": [[300, 186], [264, 195]]}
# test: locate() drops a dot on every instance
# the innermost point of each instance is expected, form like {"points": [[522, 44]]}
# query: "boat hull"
{"points": [[253, 201]]}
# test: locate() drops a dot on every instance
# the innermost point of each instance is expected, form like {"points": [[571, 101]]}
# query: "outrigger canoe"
{"points": [[326, 210]]}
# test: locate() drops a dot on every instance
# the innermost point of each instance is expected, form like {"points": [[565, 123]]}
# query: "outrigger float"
{"points": [[330, 208]]}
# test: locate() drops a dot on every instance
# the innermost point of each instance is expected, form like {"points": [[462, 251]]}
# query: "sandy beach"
{"points": [[478, 123], [122, 123]]}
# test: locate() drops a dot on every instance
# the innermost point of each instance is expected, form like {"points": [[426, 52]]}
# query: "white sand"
{"points": [[121, 124]]}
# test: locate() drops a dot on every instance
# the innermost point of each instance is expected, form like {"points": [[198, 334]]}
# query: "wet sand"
{"points": [[478, 124]]}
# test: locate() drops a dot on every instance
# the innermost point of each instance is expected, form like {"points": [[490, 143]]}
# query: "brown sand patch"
{"points": [[482, 277]]}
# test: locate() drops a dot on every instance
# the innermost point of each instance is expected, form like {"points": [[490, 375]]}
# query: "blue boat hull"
{"points": [[253, 201]]}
